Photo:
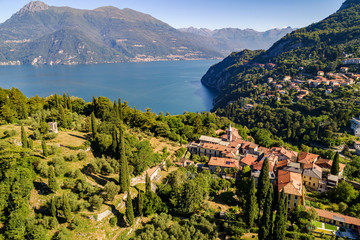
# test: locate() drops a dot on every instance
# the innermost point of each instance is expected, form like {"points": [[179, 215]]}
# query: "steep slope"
{"points": [[109, 34]]}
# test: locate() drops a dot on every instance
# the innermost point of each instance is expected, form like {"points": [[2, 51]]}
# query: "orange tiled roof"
{"points": [[217, 147], [305, 157], [224, 162], [292, 155], [248, 160], [291, 182], [331, 215], [322, 162], [264, 150]]}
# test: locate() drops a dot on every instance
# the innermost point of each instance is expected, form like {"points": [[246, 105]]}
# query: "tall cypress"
{"points": [[263, 183], [69, 103], [116, 111], [114, 144], [124, 172], [147, 184], [266, 219], [44, 148], [53, 185], [129, 210], [93, 124], [335, 167], [31, 144], [65, 105], [140, 202], [94, 103], [281, 218], [63, 121], [121, 114], [66, 208], [53, 207], [24, 140], [251, 205]]}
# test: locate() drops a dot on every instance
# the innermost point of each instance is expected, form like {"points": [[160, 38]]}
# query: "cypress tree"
{"points": [[266, 219], [94, 103], [24, 140], [251, 205], [263, 183], [114, 144], [124, 172], [63, 121], [53, 185], [31, 144], [140, 202], [66, 208], [129, 210], [335, 167], [93, 125], [53, 208], [65, 104], [120, 110], [116, 111], [281, 218], [44, 147], [69, 102], [147, 184]]}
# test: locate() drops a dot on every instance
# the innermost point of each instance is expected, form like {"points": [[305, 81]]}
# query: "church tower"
{"points": [[229, 134]]}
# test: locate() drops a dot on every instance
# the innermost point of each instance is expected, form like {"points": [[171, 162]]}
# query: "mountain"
{"points": [[305, 50], [42, 34], [238, 39]]}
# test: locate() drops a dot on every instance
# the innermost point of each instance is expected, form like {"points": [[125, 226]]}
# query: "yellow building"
{"points": [[291, 183], [312, 178]]}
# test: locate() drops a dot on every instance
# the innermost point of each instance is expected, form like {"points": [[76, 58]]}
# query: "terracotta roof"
{"points": [[258, 166], [264, 150], [217, 132], [313, 170], [272, 157], [326, 163], [253, 145], [282, 163], [291, 182], [305, 157], [216, 147], [292, 155], [233, 144], [224, 162], [336, 216], [152, 170], [248, 160]]}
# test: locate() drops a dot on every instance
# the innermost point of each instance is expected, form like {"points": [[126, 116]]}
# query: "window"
{"points": [[294, 204], [314, 184], [296, 197], [310, 178]]}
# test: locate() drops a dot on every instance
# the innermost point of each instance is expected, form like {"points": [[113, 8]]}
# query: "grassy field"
{"points": [[317, 224], [330, 227]]}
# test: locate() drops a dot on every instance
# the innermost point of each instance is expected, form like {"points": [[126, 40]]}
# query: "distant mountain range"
{"points": [[239, 39], [41, 34]]}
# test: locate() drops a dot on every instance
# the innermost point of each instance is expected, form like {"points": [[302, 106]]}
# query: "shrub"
{"points": [[10, 133], [81, 156], [113, 221]]}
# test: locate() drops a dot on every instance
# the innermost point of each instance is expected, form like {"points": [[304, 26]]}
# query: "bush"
{"points": [[77, 223], [113, 221], [10, 133], [81, 156], [63, 234], [50, 136], [43, 169], [71, 158], [96, 202]]}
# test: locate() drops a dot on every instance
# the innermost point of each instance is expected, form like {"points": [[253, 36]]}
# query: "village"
{"points": [[294, 173]]}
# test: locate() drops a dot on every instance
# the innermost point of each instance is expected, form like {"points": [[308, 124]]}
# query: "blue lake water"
{"points": [[172, 87]]}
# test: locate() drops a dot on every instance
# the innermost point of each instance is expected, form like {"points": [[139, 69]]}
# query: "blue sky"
{"points": [[213, 14]]}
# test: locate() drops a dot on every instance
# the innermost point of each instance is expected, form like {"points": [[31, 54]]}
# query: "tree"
{"points": [[53, 207], [53, 185], [265, 230], [111, 189], [93, 124], [129, 210], [263, 183], [124, 178], [114, 144], [335, 165], [96, 201], [343, 192], [281, 218], [140, 202], [251, 205], [24, 140], [147, 183], [120, 110], [31, 144], [69, 104], [44, 147], [66, 208]]}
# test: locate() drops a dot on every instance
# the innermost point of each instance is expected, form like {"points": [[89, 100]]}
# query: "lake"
{"points": [[172, 87]]}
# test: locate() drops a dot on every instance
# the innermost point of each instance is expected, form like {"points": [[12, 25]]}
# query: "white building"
{"points": [[355, 125]]}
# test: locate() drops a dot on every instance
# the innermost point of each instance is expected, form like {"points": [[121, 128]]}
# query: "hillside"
{"points": [[42, 34], [300, 84], [235, 39]]}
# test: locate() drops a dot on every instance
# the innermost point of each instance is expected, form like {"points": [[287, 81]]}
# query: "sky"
{"points": [[260, 15]]}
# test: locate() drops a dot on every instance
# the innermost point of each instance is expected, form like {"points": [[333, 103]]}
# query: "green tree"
{"points": [[53, 185], [140, 202], [263, 183], [114, 144], [93, 125], [281, 218], [147, 183], [335, 167], [111, 189], [265, 227], [129, 210], [24, 139], [344, 192], [31, 144], [44, 148], [120, 110], [66, 208], [124, 178], [53, 207], [69, 103], [251, 205]]}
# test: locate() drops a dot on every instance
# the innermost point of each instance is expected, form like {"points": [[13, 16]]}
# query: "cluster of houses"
{"points": [[289, 171]]}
